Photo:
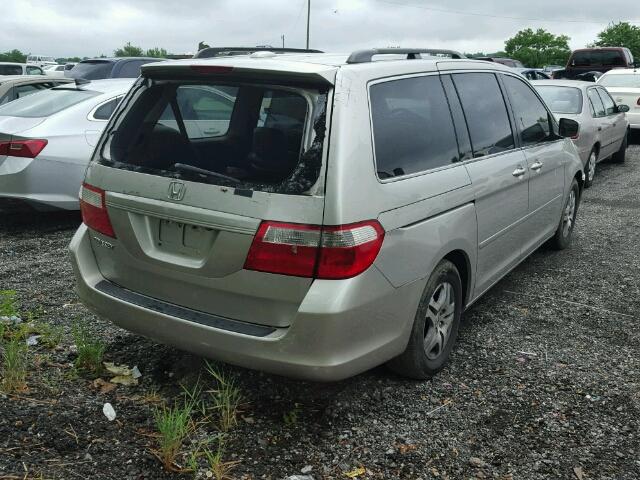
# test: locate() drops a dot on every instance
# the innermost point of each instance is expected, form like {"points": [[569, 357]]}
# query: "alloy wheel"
{"points": [[568, 214], [592, 166], [439, 320]]}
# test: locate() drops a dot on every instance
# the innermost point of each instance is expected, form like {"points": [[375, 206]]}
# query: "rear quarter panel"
{"points": [[425, 216]]}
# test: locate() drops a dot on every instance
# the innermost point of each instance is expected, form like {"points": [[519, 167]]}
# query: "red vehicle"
{"points": [[590, 63]]}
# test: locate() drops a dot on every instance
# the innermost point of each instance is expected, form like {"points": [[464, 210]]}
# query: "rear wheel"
{"points": [[620, 155], [590, 169], [435, 326], [562, 238]]}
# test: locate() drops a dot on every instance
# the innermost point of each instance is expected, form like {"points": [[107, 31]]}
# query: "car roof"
{"points": [[626, 71], [564, 83], [12, 63], [109, 85], [117, 59], [320, 64], [42, 78]]}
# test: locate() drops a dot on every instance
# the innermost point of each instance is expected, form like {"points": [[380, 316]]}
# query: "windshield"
{"points": [[45, 103], [247, 136], [589, 58], [561, 99], [631, 80], [91, 70]]}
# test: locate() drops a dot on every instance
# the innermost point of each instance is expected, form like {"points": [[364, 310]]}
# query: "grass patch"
{"points": [[8, 307], [174, 425], [215, 461], [90, 350], [14, 365], [226, 398]]}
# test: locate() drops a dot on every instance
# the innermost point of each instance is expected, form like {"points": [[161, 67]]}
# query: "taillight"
{"points": [[329, 252], [94, 210], [23, 148]]}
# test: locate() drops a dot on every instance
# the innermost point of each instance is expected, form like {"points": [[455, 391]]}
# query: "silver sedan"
{"points": [[46, 140], [603, 124]]}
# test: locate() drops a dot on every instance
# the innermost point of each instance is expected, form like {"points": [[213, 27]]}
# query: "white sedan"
{"points": [[47, 138], [624, 87]]}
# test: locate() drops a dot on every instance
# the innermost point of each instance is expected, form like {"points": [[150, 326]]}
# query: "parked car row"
{"points": [[238, 208]]}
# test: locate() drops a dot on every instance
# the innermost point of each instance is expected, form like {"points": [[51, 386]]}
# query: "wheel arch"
{"points": [[462, 263]]}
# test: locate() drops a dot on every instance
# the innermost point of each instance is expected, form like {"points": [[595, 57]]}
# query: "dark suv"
{"points": [[587, 63], [100, 68], [509, 62]]}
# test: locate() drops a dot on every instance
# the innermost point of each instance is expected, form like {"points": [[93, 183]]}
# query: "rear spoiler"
{"points": [[319, 76]]}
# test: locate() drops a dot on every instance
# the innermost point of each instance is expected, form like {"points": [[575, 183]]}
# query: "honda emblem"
{"points": [[176, 190]]}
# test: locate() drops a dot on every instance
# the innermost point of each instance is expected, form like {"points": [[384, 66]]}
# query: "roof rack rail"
{"points": [[212, 52], [366, 56]]}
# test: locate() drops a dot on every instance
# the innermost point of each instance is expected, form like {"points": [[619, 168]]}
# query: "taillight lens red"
{"points": [[329, 252], [23, 148], [94, 210]]}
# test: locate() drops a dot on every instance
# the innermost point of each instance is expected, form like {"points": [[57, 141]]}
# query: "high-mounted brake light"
{"points": [[329, 252], [211, 69], [94, 210], [23, 148]]}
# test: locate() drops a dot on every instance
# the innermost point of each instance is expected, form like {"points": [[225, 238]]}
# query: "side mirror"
{"points": [[623, 108], [569, 128]]}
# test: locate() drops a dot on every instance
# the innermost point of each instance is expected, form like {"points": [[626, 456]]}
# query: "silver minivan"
{"points": [[316, 215]]}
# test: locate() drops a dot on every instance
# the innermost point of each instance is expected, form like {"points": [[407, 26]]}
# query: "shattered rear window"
{"points": [[248, 136]]}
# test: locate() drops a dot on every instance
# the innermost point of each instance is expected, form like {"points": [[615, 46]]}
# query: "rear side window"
{"points": [[485, 112], [92, 70], [105, 111], [530, 114], [34, 71], [45, 103], [609, 104], [412, 126], [130, 69], [24, 90], [246, 136], [10, 70], [204, 110], [596, 103]]}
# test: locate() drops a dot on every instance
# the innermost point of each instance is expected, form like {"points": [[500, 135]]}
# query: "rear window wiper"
{"points": [[201, 171]]}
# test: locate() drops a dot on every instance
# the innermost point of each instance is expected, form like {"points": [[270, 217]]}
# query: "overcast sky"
{"points": [[64, 28]]}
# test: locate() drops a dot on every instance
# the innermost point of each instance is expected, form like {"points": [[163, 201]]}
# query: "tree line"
{"points": [[533, 48]]}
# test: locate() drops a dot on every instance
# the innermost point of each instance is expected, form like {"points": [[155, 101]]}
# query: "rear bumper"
{"points": [[41, 181], [634, 119], [342, 327]]}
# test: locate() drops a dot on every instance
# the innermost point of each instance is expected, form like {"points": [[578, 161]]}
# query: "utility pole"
{"points": [[282, 36], [308, 20]]}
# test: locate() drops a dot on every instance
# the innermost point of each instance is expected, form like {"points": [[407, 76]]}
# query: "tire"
{"points": [[429, 345], [590, 168], [620, 155], [562, 237]]}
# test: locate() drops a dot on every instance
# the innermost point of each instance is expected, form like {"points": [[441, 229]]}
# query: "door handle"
{"points": [[536, 166], [519, 172], [599, 129]]}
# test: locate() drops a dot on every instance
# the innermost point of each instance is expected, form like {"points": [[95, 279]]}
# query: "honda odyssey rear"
{"points": [[314, 215]]}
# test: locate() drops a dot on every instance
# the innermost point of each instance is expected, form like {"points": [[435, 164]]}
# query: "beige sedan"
{"points": [[13, 87]]}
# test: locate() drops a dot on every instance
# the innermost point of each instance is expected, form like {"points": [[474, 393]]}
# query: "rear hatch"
{"points": [[190, 165]]}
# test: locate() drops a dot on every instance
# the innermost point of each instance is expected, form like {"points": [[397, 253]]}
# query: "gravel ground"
{"points": [[544, 381]]}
